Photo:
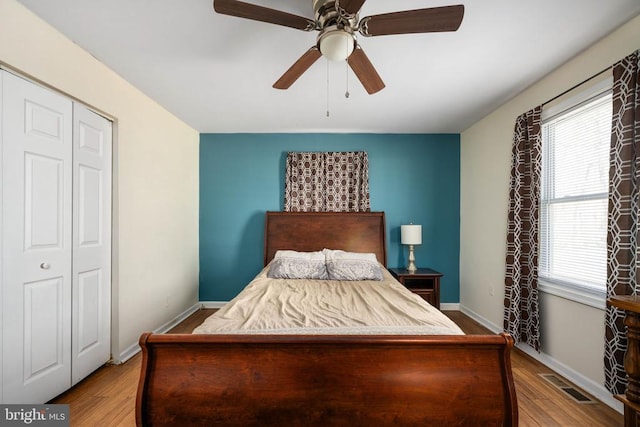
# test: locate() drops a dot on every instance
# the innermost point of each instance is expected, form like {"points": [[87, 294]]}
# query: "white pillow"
{"points": [[298, 265], [343, 265]]}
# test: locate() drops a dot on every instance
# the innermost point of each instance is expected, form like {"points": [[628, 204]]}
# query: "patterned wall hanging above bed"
{"points": [[327, 182]]}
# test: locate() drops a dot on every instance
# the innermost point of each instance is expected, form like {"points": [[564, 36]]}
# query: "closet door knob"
{"points": [[44, 266]]}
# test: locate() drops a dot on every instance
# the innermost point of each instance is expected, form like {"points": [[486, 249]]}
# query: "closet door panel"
{"points": [[44, 202], [43, 328], [36, 235], [91, 343], [90, 193], [89, 287]]}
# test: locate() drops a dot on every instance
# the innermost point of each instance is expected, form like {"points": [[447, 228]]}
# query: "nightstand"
{"points": [[424, 282]]}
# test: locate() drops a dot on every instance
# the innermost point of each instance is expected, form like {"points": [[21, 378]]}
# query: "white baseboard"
{"points": [[450, 306], [134, 349], [213, 304], [587, 384], [127, 354], [482, 320]]}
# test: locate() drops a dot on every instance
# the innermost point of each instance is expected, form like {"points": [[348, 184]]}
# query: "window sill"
{"points": [[593, 299]]}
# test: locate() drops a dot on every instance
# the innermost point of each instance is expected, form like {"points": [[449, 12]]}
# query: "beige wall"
{"points": [[155, 175], [573, 333]]}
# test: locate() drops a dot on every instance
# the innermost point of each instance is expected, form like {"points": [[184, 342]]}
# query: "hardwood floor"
{"points": [[539, 402], [107, 397]]}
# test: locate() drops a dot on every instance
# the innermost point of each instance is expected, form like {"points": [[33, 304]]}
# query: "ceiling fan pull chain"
{"points": [[346, 67], [327, 61]]}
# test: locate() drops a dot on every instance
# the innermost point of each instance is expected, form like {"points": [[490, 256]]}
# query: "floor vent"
{"points": [[567, 388]]}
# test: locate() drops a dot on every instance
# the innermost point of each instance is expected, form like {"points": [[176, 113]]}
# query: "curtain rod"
{"points": [[577, 85]]}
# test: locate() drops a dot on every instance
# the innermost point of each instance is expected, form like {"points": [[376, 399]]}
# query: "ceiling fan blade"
{"points": [[264, 14], [431, 20], [298, 68], [364, 70], [351, 6]]}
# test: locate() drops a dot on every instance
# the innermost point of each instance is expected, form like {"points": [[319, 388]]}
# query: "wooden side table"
{"points": [[424, 282], [631, 399]]}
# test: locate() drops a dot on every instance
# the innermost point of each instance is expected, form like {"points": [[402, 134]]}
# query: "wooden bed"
{"points": [[290, 380]]}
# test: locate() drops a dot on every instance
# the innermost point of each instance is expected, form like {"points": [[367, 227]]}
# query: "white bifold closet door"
{"points": [[56, 241], [91, 285]]}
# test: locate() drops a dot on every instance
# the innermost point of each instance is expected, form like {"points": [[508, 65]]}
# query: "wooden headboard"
{"points": [[314, 231]]}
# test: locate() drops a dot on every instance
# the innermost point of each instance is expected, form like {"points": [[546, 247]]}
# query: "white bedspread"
{"points": [[292, 306]]}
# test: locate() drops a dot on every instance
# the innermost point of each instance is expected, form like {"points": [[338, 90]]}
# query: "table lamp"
{"points": [[411, 235]]}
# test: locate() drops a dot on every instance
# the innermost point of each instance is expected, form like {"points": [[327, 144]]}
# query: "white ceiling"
{"points": [[215, 72]]}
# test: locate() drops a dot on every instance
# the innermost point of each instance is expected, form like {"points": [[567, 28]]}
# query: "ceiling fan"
{"points": [[338, 21]]}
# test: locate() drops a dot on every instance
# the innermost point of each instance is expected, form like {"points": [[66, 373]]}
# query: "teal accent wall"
{"points": [[412, 178]]}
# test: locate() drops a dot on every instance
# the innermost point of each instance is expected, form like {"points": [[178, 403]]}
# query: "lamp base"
{"points": [[411, 268]]}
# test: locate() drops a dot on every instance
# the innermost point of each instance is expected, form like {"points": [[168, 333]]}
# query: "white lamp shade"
{"points": [[411, 234], [336, 45]]}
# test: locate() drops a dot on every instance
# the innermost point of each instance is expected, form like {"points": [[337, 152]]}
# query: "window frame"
{"points": [[586, 93]]}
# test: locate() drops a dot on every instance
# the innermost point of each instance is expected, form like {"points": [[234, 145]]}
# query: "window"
{"points": [[574, 197]]}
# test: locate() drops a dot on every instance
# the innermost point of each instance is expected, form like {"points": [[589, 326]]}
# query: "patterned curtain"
{"points": [[521, 317], [623, 258], [327, 182]]}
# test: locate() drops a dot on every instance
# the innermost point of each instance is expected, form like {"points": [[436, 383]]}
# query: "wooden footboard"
{"points": [[260, 380]]}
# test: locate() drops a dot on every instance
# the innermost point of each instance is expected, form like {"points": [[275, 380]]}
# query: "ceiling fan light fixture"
{"points": [[336, 44]]}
